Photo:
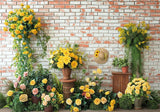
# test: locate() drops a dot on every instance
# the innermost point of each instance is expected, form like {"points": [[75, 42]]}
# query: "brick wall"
{"points": [[91, 24]]}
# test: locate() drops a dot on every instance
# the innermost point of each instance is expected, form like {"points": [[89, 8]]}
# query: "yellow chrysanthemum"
{"points": [[10, 93], [103, 100], [34, 31], [74, 64], [23, 98], [17, 32], [60, 64], [22, 14], [15, 18], [32, 82], [66, 59], [88, 95], [91, 91], [97, 101], [78, 102], [66, 52], [113, 101], [76, 57], [69, 101], [72, 55], [44, 81]]}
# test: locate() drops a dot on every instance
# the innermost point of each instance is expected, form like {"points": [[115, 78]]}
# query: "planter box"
{"points": [[120, 81]]}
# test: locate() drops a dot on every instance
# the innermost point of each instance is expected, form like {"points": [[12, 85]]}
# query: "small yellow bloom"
{"points": [[75, 109], [101, 90], [5, 29], [25, 19], [15, 18], [53, 89], [103, 100], [137, 91], [51, 61], [81, 87], [107, 92], [87, 79], [19, 36], [32, 82], [113, 101], [17, 32], [12, 35], [66, 59], [6, 23], [20, 27], [119, 94], [10, 93], [80, 60], [27, 6], [72, 90], [60, 64], [39, 19], [23, 98], [44, 81], [78, 102], [22, 14], [34, 31], [10, 12], [88, 95], [10, 18], [94, 72], [69, 101], [22, 4], [99, 71], [97, 101], [74, 64], [76, 57], [91, 91], [29, 36], [31, 10], [93, 83], [30, 54], [24, 43], [110, 108], [26, 47]]}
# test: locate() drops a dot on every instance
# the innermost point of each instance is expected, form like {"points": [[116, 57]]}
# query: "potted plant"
{"points": [[66, 59], [138, 88], [121, 63], [49, 101]]}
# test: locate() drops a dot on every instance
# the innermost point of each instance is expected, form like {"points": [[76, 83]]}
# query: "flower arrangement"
{"points": [[138, 87], [91, 96], [23, 25], [68, 57]]}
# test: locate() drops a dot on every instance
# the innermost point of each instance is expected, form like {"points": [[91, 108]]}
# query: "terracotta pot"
{"points": [[48, 109], [66, 73], [125, 69], [35, 99], [138, 103]]}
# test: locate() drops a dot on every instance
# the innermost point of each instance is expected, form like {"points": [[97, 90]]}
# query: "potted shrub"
{"points": [[121, 63], [125, 102]]}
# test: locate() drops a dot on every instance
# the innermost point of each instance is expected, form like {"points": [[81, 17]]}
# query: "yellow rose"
{"points": [[53, 89], [27, 6], [60, 64], [72, 55], [5, 29], [17, 32], [86, 90], [91, 91], [87, 79], [107, 92], [25, 19], [24, 43], [93, 84], [101, 90], [103, 100], [97, 101], [12, 35], [144, 88], [34, 31], [119, 94], [94, 72], [72, 90], [81, 87], [10, 93], [6, 23], [44, 81], [32, 82], [137, 91], [30, 54], [74, 64], [75, 109], [69, 101], [15, 18], [31, 10], [23, 98], [66, 59], [88, 95], [10, 12], [110, 108], [99, 71], [22, 14], [76, 57], [10, 18], [22, 4], [113, 101], [78, 102]]}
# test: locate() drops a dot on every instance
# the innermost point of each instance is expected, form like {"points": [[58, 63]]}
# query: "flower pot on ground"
{"points": [[121, 63], [48, 109], [66, 73], [125, 69], [36, 99], [138, 103]]}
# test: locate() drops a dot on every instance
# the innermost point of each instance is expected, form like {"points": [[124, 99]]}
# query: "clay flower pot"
{"points": [[35, 99], [66, 73], [138, 103], [125, 69], [48, 109]]}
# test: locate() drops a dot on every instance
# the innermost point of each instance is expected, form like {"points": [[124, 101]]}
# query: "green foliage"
{"points": [[120, 62], [125, 102], [34, 107], [2, 100], [152, 104], [92, 106], [58, 84]]}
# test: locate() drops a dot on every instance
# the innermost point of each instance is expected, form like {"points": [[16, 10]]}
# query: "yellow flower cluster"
{"points": [[138, 86], [66, 57], [60, 98], [112, 103], [126, 35]]}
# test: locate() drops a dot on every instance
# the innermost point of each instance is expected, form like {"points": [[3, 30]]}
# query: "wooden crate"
{"points": [[120, 81]]}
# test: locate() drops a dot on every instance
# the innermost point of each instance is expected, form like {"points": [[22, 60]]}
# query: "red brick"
{"points": [[72, 34], [70, 6], [89, 35], [98, 10], [59, 6], [83, 45]]}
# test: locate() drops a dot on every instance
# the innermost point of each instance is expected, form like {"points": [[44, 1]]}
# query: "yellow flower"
{"points": [[91, 91], [78, 102], [119, 94], [34, 31], [93, 84], [137, 91], [44, 81], [22, 14], [12, 26], [74, 64], [51, 61], [97, 101], [6, 23], [39, 19], [15, 18], [26, 47], [31, 10], [96, 54], [76, 57], [113, 101], [22, 4], [66, 59], [19, 36], [80, 60], [25, 19], [25, 52], [94, 72], [81, 87], [72, 55], [32, 82], [69, 101], [76, 109], [53, 89], [17, 32], [10, 18], [87, 79], [23, 98], [66, 52], [101, 90], [86, 86], [24, 43], [107, 92], [99, 71], [10, 12], [10, 93], [72, 90], [27, 6], [5, 29], [24, 32], [30, 54], [97, 51], [110, 108], [144, 88], [60, 64], [86, 90], [12, 35], [29, 36], [148, 92], [103, 100]]}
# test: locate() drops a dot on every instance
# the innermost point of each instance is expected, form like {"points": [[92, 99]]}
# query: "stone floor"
{"points": [[117, 110]]}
